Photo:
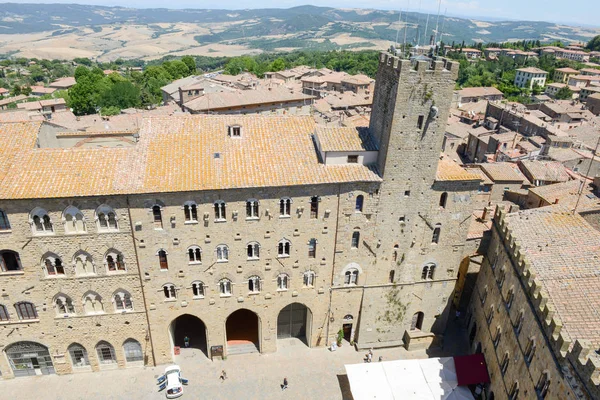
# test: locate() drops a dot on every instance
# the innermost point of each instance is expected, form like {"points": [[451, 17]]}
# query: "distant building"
{"points": [[473, 94], [63, 83], [41, 90], [593, 103], [527, 77], [563, 74], [471, 53]]}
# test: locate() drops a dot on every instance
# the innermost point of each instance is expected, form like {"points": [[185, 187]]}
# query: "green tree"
{"points": [[121, 95], [190, 63], [37, 74], [26, 90], [594, 44], [16, 90], [83, 61], [278, 65], [564, 93], [111, 110]]}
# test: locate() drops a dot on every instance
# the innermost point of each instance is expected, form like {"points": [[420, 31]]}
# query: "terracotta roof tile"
{"points": [[449, 170], [345, 139]]}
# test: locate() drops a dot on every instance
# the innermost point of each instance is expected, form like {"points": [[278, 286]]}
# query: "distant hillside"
{"points": [[125, 32]]}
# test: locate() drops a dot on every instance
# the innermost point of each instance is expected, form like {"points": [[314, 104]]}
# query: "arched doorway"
{"points": [[294, 321], [192, 327], [242, 330], [29, 358]]}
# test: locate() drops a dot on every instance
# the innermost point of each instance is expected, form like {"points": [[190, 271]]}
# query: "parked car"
{"points": [[172, 381]]}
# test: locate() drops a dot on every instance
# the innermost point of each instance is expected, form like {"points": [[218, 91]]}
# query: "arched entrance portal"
{"points": [[192, 327], [242, 330], [294, 321], [29, 358]]}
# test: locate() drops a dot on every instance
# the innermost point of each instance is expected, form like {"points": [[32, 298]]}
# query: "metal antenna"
{"points": [[398, 29], [405, 27], [419, 25], [426, 27], [437, 24], [443, 25]]}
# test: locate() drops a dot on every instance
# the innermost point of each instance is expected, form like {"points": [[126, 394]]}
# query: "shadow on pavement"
{"points": [[345, 387]]}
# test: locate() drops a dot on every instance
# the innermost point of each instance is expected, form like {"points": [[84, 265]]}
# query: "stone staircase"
{"points": [[242, 348]]}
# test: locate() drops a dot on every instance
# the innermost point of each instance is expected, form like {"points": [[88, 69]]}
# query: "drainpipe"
{"points": [[137, 259]]}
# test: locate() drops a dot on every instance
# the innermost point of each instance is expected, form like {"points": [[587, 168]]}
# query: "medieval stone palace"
{"points": [[235, 231]]}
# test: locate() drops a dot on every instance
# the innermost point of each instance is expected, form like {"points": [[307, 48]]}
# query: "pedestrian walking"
{"points": [[369, 357], [285, 384], [223, 376], [186, 341]]}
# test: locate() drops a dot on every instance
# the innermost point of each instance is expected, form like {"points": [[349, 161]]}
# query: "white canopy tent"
{"points": [[426, 379]]}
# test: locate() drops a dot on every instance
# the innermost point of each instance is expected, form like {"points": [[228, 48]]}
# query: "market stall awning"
{"points": [[471, 370]]}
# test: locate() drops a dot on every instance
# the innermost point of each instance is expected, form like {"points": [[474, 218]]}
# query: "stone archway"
{"points": [[29, 358], [242, 330], [192, 327], [294, 321]]}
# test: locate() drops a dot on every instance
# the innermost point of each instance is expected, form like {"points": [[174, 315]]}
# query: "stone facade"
{"points": [[384, 260]]}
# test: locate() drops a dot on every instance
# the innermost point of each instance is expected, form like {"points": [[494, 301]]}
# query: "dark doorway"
{"points": [[294, 322], [242, 332], [192, 327], [347, 328]]}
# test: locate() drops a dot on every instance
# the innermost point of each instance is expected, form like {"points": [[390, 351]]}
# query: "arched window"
{"points": [[514, 391], [484, 295], [26, 310], [10, 261], [358, 206], [428, 271], [122, 300], [169, 291], [510, 298], [395, 253], [79, 356], [490, 316], [83, 263], [283, 248], [308, 279], [530, 350], [220, 210], [92, 303], [63, 305], [436, 233], [222, 253], [312, 248], [253, 250], [543, 385], [282, 282], [162, 259], [252, 209], [4, 223], [254, 284], [194, 255], [157, 216], [107, 219], [4, 313], [443, 199], [501, 277], [504, 363], [392, 276], [314, 207], [355, 239], [106, 353], [74, 221], [53, 265], [285, 206], [40, 222], [351, 277], [417, 321], [198, 289], [520, 322], [498, 336], [190, 211], [133, 351], [225, 287], [114, 261]]}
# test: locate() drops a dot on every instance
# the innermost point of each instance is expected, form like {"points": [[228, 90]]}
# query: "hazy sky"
{"points": [[573, 11]]}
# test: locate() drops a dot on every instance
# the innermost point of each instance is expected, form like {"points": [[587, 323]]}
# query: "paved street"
{"points": [[312, 374]]}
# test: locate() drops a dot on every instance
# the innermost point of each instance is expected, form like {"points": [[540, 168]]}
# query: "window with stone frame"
{"points": [[194, 255], [428, 271], [92, 303], [106, 218], [510, 297], [355, 240], [417, 321], [26, 310], [285, 206], [84, 264], [253, 250], [513, 394], [63, 305], [4, 223], [254, 284], [190, 211], [484, 295], [520, 322], [443, 199], [222, 253], [79, 356], [501, 277], [220, 210], [53, 265], [122, 301], [283, 248], [435, 238], [4, 316], [498, 336], [543, 385], [530, 350], [314, 207], [163, 262], [106, 353], [358, 205], [198, 289], [133, 351], [169, 291], [10, 261], [73, 220], [504, 363], [351, 277], [40, 222], [252, 210], [115, 262], [308, 279], [225, 287], [312, 248], [282, 282], [157, 217]]}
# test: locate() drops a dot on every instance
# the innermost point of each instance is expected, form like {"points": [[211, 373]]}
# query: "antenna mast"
{"points": [[405, 27], [443, 25], [418, 36], [426, 27], [437, 24], [398, 29]]}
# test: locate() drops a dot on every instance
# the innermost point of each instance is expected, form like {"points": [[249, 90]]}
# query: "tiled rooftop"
{"points": [[567, 194], [15, 136], [503, 171], [345, 139], [449, 170], [545, 170], [564, 252]]}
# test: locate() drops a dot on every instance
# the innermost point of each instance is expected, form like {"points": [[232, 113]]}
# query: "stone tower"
{"points": [[421, 219]]}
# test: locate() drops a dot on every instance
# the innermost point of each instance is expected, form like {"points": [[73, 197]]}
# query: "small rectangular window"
{"points": [[353, 159], [420, 121], [236, 131], [407, 193]]}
